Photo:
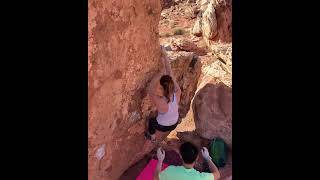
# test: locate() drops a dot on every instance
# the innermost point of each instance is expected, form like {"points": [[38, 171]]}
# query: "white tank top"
{"points": [[170, 117]]}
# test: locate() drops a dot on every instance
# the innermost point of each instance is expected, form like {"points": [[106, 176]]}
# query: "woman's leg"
{"points": [[152, 126]]}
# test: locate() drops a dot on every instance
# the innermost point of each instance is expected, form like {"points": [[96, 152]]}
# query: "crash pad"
{"points": [[147, 172]]}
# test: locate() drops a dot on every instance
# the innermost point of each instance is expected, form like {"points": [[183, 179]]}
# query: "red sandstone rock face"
{"points": [[212, 109], [123, 56]]}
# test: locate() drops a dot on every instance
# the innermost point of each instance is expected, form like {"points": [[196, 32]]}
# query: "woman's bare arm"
{"points": [[170, 73], [152, 86], [155, 98]]}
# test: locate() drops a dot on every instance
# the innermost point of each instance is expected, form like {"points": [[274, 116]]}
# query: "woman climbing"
{"points": [[166, 101]]}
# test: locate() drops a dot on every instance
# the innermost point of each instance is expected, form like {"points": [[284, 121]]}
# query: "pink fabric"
{"points": [[147, 172]]}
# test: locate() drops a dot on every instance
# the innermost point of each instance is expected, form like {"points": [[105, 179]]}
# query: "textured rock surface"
{"points": [[202, 4], [181, 44], [215, 20], [197, 28], [214, 70], [190, 12], [212, 111], [209, 22], [223, 10], [167, 3], [123, 56]]}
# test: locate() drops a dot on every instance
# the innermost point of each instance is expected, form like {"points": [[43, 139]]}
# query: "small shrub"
{"points": [[178, 32], [167, 35]]}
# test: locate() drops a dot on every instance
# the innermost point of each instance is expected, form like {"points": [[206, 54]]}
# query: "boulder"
{"points": [[212, 110], [197, 28], [223, 10], [215, 22], [209, 22]]}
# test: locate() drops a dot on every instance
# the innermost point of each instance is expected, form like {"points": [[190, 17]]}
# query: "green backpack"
{"points": [[218, 152]]}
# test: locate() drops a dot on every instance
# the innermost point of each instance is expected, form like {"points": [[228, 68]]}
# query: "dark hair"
{"points": [[168, 86], [189, 152]]}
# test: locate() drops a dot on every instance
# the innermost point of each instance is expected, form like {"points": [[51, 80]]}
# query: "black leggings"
{"points": [[153, 126]]}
